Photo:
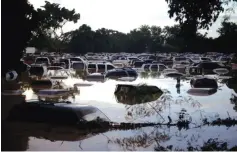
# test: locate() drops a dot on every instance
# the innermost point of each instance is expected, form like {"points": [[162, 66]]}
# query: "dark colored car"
{"points": [[121, 72], [208, 67], [64, 113]]}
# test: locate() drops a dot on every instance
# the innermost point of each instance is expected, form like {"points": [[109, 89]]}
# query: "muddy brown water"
{"points": [[101, 95]]}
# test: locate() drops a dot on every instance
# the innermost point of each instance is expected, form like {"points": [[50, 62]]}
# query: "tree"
{"points": [[193, 15], [52, 20], [18, 21], [227, 28], [81, 40], [226, 42]]}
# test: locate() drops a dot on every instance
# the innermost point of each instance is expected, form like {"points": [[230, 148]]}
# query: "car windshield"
{"points": [[92, 114], [180, 59], [78, 65], [38, 60], [196, 58], [225, 59]]}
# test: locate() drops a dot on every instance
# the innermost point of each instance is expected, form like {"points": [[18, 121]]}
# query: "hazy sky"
{"points": [[121, 15]]}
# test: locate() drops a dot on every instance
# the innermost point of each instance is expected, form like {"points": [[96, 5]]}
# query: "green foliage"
{"points": [[193, 15], [144, 38], [227, 28], [50, 33]]}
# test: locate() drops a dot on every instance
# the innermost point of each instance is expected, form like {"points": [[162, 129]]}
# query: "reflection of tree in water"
{"points": [[145, 103], [138, 98], [143, 140], [210, 145], [146, 75], [155, 74], [80, 74]]}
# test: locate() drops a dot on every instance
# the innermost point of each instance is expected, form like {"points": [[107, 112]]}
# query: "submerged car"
{"points": [[203, 82], [60, 113], [208, 67], [120, 73]]}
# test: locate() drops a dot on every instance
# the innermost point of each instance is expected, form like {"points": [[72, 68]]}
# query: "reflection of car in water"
{"points": [[50, 121], [202, 91]]}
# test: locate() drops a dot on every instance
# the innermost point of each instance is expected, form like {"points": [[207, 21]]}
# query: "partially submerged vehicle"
{"points": [[153, 67], [203, 82], [136, 94], [39, 115], [53, 93], [43, 60], [38, 70], [78, 65], [95, 67], [57, 72], [174, 74], [208, 67], [121, 73], [41, 84], [98, 77]]}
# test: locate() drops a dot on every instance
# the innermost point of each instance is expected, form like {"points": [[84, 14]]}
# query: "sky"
{"points": [[122, 15]]}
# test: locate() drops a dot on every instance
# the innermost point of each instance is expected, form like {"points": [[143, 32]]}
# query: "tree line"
{"points": [[23, 25], [51, 37]]}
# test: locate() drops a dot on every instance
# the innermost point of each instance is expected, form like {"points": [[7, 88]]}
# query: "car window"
{"points": [[179, 59], [195, 58], [154, 67], [152, 57], [41, 60], [162, 67], [78, 66], [75, 59], [146, 67], [206, 59], [138, 64], [92, 114], [209, 65], [65, 61], [110, 67], [91, 66], [36, 71], [101, 66], [132, 73], [111, 74], [122, 74]]}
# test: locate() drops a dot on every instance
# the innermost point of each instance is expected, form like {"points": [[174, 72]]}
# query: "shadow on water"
{"points": [[11, 141]]}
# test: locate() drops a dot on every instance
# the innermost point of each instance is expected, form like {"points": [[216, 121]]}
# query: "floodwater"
{"points": [[101, 95]]}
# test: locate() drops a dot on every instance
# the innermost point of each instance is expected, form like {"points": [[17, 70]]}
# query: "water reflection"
{"points": [[135, 107]]}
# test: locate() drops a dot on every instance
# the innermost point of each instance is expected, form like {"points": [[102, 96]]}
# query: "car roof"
{"points": [[58, 105], [121, 69]]}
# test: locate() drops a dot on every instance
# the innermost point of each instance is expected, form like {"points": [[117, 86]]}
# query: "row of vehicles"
{"points": [[145, 62]]}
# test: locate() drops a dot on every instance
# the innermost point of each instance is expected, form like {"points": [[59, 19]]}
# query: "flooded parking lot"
{"points": [[174, 101]]}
